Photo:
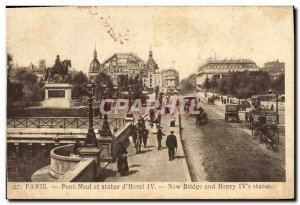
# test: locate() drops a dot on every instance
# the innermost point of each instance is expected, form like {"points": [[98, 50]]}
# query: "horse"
{"points": [[64, 70]]}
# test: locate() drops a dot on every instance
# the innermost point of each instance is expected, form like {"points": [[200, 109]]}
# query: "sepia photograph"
{"points": [[150, 102]]}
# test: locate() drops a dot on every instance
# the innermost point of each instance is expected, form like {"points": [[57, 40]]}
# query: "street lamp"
{"points": [[238, 95], [105, 131], [277, 95], [129, 115], [91, 136]]}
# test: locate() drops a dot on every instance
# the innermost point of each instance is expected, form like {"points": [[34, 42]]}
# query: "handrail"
{"points": [[60, 122]]}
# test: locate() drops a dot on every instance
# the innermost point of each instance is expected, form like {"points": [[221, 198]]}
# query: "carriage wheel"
{"points": [[260, 138]]}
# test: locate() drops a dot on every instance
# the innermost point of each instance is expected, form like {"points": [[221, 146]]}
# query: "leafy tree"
{"points": [[123, 82], [32, 89], [244, 84], [188, 85], [14, 89], [278, 84], [79, 81], [101, 80], [137, 87], [207, 84]]}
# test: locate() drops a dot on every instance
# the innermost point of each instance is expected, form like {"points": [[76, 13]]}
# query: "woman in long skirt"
{"points": [[122, 163]]}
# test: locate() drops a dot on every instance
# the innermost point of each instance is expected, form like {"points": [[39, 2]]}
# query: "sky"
{"points": [[180, 37]]}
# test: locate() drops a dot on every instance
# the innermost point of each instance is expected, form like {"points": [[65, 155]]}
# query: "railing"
{"points": [[60, 122]]}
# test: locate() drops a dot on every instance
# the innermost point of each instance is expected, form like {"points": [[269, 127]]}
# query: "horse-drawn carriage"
{"points": [[263, 124], [232, 113], [202, 118], [253, 116]]}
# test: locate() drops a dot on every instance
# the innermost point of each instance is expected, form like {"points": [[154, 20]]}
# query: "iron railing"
{"points": [[61, 122]]}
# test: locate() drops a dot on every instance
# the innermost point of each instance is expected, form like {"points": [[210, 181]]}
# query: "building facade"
{"points": [[122, 64], [216, 69], [274, 68], [151, 76], [170, 80]]}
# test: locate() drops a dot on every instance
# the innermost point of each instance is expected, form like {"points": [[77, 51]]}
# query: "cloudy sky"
{"points": [[182, 38]]}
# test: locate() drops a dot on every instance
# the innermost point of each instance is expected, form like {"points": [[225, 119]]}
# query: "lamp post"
{"points": [[238, 95], [129, 115], [105, 131], [277, 114], [277, 95], [91, 136]]}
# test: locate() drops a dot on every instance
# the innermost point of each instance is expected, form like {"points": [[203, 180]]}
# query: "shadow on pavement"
{"points": [[135, 165], [107, 173], [130, 173], [144, 151], [179, 157]]}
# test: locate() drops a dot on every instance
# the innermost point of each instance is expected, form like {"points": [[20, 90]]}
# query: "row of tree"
{"points": [[239, 84], [245, 84]]}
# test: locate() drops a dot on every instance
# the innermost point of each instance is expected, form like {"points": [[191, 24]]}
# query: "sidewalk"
{"points": [[152, 165]]}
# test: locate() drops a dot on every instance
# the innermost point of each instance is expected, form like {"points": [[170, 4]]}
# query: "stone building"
{"points": [[170, 80], [274, 68], [216, 69], [151, 76], [95, 67], [123, 64]]}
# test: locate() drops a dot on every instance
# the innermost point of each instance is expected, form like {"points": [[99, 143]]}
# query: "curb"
{"points": [[186, 168]]}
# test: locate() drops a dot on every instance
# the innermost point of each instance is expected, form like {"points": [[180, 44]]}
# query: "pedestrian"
{"points": [[272, 107], [159, 135], [171, 143], [145, 137], [122, 163], [159, 118], [138, 144], [142, 120], [172, 120]]}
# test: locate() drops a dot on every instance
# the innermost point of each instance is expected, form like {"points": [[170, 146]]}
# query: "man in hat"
{"points": [[159, 137], [171, 143]]}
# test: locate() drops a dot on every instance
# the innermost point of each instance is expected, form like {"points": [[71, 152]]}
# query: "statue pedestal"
{"points": [[58, 95]]}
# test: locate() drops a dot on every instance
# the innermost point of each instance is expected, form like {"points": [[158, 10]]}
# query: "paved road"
{"points": [[152, 165], [220, 151]]}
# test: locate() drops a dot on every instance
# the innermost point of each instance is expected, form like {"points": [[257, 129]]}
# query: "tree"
{"points": [[188, 85], [244, 84], [207, 84], [278, 84], [32, 89], [79, 82], [14, 89], [103, 79], [137, 87], [123, 82]]}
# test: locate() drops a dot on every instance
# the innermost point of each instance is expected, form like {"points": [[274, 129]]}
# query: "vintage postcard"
{"points": [[150, 103]]}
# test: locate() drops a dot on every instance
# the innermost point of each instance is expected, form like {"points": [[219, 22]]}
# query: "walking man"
{"points": [[171, 143], [159, 137], [145, 137], [159, 118]]}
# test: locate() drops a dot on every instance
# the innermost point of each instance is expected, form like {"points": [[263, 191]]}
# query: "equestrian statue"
{"points": [[60, 68]]}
